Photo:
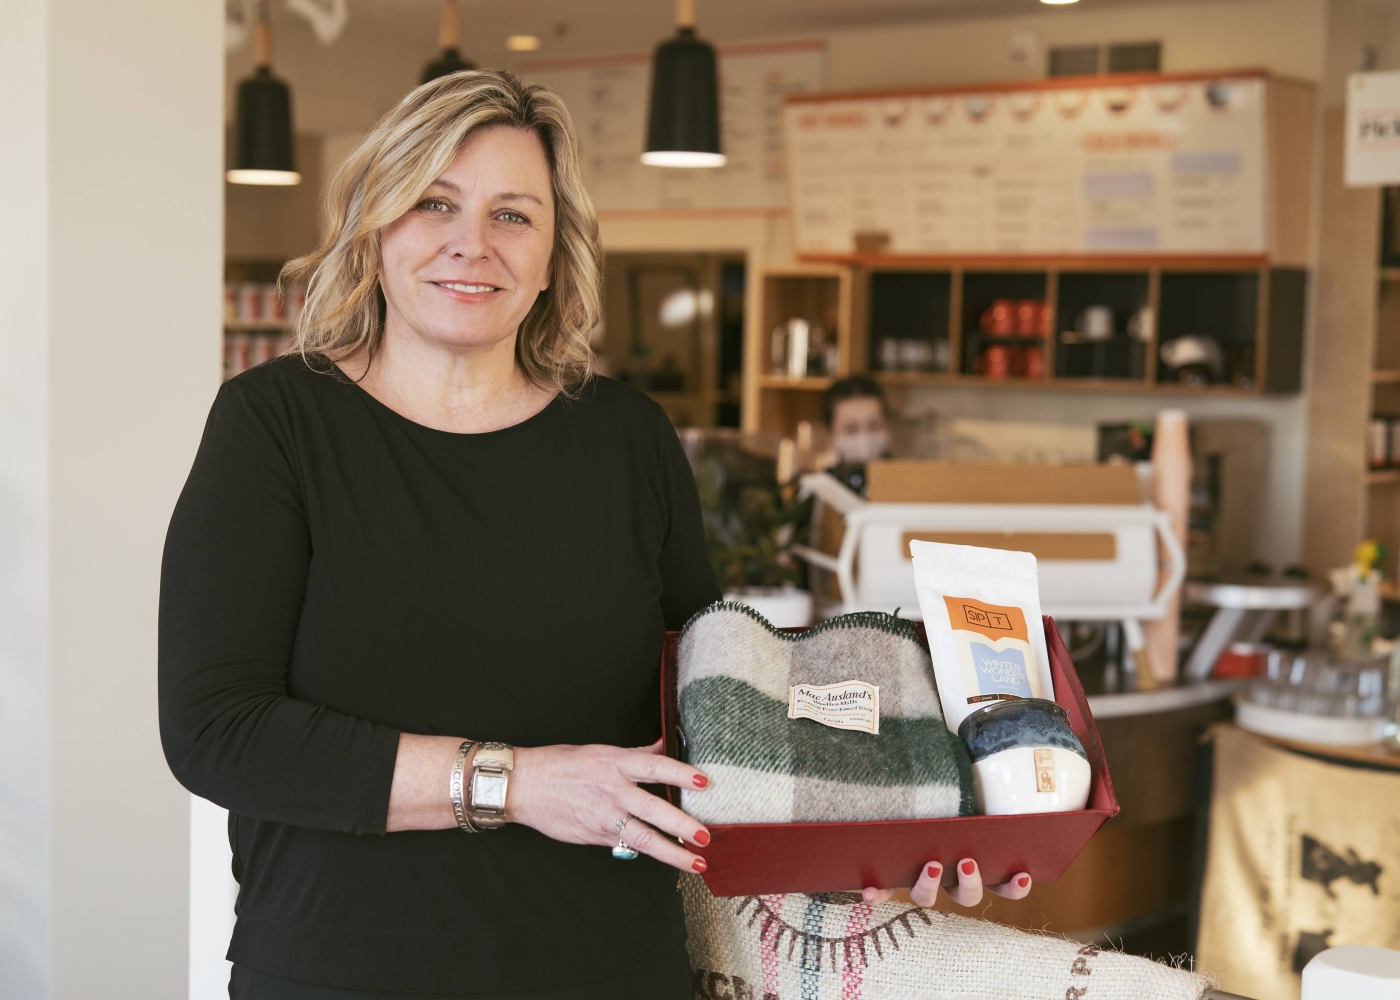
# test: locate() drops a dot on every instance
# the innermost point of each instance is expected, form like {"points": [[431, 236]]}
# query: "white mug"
{"points": [[1096, 323]]}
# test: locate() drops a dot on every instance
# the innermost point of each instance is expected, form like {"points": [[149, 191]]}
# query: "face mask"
{"points": [[861, 449]]}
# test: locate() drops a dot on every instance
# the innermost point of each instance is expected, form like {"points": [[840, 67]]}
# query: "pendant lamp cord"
{"points": [[262, 38], [685, 13], [450, 30]]}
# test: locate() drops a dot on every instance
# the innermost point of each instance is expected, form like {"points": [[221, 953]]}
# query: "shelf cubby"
{"points": [[910, 306], [822, 296], [1122, 356], [1221, 308]]}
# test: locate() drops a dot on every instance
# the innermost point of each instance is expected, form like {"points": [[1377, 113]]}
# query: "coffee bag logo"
{"points": [[986, 619]]}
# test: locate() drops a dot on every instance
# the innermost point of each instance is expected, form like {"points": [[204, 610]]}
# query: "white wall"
{"points": [[24, 518], [111, 276], [1284, 36]]}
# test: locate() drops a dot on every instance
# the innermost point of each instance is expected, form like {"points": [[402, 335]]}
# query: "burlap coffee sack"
{"points": [[1301, 856], [733, 676], [834, 946]]}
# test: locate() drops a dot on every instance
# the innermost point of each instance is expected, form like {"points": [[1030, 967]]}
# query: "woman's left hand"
{"points": [[968, 891]]}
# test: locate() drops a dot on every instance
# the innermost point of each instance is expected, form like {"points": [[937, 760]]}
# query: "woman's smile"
{"points": [[469, 292]]}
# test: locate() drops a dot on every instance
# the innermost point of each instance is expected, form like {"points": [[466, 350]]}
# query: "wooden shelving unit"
{"points": [[1252, 310], [1382, 494]]}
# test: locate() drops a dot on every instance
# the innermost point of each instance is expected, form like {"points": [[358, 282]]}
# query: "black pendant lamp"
{"points": [[449, 60], [266, 152], [683, 127]]}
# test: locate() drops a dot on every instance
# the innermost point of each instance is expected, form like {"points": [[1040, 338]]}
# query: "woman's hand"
{"points": [[578, 793], [968, 891]]}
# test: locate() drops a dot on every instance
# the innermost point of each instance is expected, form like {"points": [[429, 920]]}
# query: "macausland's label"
{"points": [[994, 650], [852, 705]]}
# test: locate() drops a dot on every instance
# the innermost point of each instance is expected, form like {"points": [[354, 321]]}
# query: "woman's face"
{"points": [[464, 265]]}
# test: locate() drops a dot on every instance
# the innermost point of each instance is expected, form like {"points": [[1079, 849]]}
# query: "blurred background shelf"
{"points": [[911, 322]]}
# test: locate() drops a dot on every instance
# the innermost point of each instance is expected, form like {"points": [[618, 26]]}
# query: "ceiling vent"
{"points": [[1074, 60], [1089, 60], [1135, 57]]}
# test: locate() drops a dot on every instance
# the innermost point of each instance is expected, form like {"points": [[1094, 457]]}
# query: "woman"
{"points": [[427, 526]]}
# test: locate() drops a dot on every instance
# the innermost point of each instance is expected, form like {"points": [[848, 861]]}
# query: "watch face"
{"points": [[488, 792]]}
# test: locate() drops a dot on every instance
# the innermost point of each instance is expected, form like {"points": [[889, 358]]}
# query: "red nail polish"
{"points": [[700, 781], [699, 864], [702, 838], [968, 867], [935, 872], [1023, 881]]}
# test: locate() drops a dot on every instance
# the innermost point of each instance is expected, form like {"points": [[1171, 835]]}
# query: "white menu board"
{"points": [[608, 101], [1164, 167]]}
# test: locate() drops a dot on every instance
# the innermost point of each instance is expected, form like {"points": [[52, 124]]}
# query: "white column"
{"points": [[24, 517], [213, 893], [111, 196]]}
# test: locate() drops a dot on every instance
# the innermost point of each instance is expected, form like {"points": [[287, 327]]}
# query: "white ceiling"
{"points": [[576, 27]]}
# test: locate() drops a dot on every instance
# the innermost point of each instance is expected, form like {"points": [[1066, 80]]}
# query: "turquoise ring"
{"points": [[622, 852]]}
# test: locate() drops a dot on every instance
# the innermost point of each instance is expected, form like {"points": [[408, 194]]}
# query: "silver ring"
{"points": [[622, 852]]}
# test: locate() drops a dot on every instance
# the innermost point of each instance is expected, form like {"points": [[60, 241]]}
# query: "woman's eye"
{"points": [[512, 216], [434, 205]]}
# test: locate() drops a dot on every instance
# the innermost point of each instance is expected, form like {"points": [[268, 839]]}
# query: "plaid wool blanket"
{"points": [[735, 675]]}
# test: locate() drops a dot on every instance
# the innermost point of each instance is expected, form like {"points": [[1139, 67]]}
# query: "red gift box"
{"points": [[755, 859]]}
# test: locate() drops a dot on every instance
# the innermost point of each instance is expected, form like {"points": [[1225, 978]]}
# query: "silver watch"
{"points": [[491, 767]]}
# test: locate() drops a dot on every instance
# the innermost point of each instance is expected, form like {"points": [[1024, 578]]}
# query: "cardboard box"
{"points": [[762, 858]]}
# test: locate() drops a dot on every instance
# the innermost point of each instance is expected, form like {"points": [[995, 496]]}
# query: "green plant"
{"points": [[751, 525]]}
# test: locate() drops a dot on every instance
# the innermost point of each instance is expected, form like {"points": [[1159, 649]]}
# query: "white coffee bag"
{"points": [[982, 611]]}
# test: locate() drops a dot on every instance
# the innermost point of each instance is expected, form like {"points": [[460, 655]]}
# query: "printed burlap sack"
{"points": [[835, 946], [1301, 856], [734, 677]]}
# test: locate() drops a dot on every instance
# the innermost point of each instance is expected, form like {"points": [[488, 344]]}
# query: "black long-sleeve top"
{"points": [[335, 574]]}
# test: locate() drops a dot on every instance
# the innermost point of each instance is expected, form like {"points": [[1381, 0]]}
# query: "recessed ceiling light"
{"points": [[523, 43]]}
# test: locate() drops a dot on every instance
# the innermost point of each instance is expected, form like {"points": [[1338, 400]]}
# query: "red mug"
{"points": [[999, 318], [995, 361], [1028, 318], [1033, 361]]}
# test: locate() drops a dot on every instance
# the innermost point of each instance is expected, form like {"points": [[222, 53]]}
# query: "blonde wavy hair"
{"points": [[386, 175]]}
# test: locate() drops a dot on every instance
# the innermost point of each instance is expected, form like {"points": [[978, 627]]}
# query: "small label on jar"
{"points": [[1044, 770], [851, 705]]}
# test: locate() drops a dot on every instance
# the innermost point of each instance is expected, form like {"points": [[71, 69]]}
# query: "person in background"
{"points": [[857, 419]]}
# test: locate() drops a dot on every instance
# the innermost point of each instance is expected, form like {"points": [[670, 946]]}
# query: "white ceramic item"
{"points": [[1307, 728], [1096, 323], [1005, 783], [1353, 972]]}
